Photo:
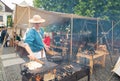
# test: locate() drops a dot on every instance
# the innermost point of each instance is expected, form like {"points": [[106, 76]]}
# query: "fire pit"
{"points": [[51, 71]]}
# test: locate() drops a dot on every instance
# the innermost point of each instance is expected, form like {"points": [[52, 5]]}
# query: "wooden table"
{"points": [[91, 58]]}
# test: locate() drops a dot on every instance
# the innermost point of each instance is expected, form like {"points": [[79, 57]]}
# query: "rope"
{"points": [[111, 29], [110, 77], [107, 45]]}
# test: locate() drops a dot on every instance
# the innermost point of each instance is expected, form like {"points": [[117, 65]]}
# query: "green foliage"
{"points": [[37, 3], [85, 8], [65, 6], [114, 10], [105, 9]]}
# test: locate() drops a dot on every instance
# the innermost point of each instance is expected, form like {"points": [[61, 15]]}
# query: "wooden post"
{"points": [[29, 15], [112, 36], [91, 64], [97, 31], [103, 60], [71, 36]]}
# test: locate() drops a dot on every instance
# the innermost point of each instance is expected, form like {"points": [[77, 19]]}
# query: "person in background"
{"points": [[47, 40], [7, 43], [4, 37], [57, 39], [34, 39], [18, 37], [3, 34], [57, 42], [0, 36]]}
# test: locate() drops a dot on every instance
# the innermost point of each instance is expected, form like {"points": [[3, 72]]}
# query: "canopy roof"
{"points": [[24, 13]]}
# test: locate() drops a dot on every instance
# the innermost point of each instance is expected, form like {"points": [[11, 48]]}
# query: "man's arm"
{"points": [[31, 55]]}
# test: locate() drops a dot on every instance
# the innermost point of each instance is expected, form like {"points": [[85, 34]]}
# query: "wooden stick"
{"points": [[39, 61]]}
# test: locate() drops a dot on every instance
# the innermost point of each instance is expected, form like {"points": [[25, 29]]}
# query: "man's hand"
{"points": [[31, 57], [47, 48], [35, 59]]}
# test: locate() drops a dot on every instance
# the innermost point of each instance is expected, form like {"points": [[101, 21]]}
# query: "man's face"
{"points": [[37, 24]]}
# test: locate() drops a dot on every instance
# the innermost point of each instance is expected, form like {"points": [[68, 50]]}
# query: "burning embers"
{"points": [[64, 71]]}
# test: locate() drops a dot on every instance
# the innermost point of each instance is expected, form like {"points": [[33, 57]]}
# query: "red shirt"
{"points": [[47, 40]]}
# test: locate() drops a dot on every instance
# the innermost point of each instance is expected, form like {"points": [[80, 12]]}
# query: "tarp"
{"points": [[116, 68], [24, 13]]}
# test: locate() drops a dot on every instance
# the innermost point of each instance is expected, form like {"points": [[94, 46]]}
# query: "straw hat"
{"points": [[36, 19]]}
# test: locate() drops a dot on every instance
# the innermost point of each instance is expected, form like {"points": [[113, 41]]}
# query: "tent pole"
{"points": [[15, 17], [14, 28], [97, 31], [29, 15], [71, 37], [112, 36]]}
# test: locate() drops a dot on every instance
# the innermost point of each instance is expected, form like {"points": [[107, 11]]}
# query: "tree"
{"points": [[65, 6], [85, 8], [113, 10], [105, 9]]}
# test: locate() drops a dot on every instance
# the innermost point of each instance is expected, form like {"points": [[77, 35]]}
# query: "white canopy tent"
{"points": [[24, 13]]}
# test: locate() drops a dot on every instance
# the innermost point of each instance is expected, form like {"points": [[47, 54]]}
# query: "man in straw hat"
{"points": [[35, 45]]}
